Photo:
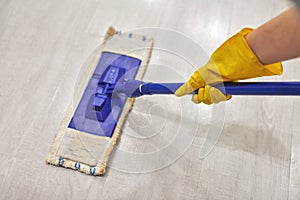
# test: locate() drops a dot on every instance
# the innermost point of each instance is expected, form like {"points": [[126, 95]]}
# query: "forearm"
{"points": [[278, 39]]}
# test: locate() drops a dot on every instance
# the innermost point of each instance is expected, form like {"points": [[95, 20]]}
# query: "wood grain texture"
{"points": [[42, 47], [294, 184]]}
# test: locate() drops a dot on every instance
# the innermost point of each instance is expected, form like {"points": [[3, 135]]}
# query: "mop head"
{"points": [[91, 128]]}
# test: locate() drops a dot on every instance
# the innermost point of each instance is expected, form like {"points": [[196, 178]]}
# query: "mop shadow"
{"points": [[259, 142], [236, 137]]}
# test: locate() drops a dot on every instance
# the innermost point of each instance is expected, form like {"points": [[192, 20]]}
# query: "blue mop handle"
{"points": [[231, 88]]}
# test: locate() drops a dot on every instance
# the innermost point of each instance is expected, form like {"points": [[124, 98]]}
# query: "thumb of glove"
{"points": [[186, 88], [195, 82]]}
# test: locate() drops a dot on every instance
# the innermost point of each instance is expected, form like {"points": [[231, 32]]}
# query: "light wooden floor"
{"points": [[42, 47]]}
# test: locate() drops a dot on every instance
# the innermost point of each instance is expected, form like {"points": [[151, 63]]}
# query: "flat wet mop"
{"points": [[88, 132]]}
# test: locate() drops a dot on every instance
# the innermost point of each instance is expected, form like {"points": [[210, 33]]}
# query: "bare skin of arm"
{"points": [[278, 39]]}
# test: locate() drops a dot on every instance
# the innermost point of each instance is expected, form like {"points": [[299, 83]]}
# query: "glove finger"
{"points": [[206, 98], [202, 96], [209, 95], [216, 95], [186, 88], [196, 97]]}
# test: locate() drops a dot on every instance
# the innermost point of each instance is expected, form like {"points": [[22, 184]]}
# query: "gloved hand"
{"points": [[232, 61]]}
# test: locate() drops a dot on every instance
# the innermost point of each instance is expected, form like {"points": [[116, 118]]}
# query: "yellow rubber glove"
{"points": [[232, 61]]}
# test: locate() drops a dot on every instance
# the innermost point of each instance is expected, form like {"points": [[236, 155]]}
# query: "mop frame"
{"points": [[71, 148]]}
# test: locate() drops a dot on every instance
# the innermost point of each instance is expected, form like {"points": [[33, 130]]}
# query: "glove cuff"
{"points": [[235, 60], [270, 69]]}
